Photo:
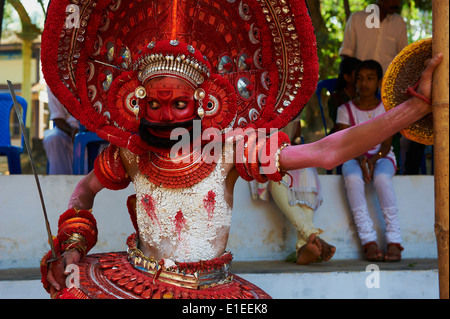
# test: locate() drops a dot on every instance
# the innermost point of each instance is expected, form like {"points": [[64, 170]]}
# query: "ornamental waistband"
{"points": [[193, 275]]}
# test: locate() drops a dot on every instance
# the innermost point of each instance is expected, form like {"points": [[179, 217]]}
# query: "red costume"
{"points": [[251, 64]]}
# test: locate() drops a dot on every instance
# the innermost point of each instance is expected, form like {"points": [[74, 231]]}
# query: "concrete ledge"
{"points": [[23, 289], [274, 267], [20, 274], [344, 279], [282, 267], [349, 285], [337, 279], [259, 231]]}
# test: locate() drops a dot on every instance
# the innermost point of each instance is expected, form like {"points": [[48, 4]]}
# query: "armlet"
{"points": [[109, 170]]}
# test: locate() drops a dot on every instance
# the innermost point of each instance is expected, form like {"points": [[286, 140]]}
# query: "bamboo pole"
{"points": [[441, 138]]}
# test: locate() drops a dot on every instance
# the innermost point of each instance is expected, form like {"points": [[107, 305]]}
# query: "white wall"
{"points": [[259, 230]]}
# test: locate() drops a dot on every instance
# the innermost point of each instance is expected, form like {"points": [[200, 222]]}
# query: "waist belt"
{"points": [[193, 275]]}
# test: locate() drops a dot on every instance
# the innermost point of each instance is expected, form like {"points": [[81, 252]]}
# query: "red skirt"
{"points": [[112, 276]]}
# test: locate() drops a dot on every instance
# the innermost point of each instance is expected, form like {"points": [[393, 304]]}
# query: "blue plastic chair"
{"points": [[85, 140], [11, 151], [330, 85]]}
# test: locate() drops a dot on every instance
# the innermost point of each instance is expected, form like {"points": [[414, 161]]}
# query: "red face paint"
{"points": [[169, 100]]}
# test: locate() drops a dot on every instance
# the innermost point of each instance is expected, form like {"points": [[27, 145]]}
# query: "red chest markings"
{"points": [[180, 222], [209, 202], [149, 205]]}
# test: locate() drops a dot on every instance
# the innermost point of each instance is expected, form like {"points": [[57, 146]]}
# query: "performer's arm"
{"points": [[350, 143], [82, 199], [63, 125], [77, 227], [85, 191]]}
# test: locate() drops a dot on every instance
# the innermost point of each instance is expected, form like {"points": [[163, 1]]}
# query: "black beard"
{"points": [[164, 142]]}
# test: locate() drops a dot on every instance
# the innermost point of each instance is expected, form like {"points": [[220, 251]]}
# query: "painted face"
{"points": [[169, 100], [367, 82], [169, 105]]}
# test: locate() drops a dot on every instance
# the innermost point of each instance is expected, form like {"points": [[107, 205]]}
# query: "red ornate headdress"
{"points": [[256, 60]]}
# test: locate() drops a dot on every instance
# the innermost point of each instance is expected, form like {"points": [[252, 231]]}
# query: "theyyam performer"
{"points": [[190, 95]]}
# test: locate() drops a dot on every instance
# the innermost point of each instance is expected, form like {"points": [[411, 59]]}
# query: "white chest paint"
{"points": [[185, 221]]}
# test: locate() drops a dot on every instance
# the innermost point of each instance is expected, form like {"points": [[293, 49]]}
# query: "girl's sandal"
{"points": [[375, 253], [397, 255]]}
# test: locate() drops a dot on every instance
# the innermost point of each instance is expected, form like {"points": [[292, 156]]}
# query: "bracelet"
{"points": [[75, 242], [412, 90], [77, 229], [241, 160], [282, 140], [277, 156], [251, 154]]}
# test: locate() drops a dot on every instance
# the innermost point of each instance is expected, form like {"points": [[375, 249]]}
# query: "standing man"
{"points": [[58, 142], [376, 33]]}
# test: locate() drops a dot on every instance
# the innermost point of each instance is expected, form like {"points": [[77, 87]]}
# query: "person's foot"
{"points": [[394, 252], [372, 252], [310, 251], [327, 250]]}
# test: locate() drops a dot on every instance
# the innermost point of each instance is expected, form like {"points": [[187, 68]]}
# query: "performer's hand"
{"points": [[57, 274], [426, 78]]}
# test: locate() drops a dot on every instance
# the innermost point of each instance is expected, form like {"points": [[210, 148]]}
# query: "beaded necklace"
{"points": [[171, 171]]}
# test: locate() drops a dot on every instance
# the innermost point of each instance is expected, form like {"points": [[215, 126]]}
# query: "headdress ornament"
{"points": [[192, 68], [254, 61]]}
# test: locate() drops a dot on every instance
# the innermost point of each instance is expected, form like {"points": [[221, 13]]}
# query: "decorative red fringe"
{"points": [[78, 221], [280, 138], [109, 170], [270, 118], [250, 159]]}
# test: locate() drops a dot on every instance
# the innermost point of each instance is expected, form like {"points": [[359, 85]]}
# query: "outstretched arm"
{"points": [[344, 145]]}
